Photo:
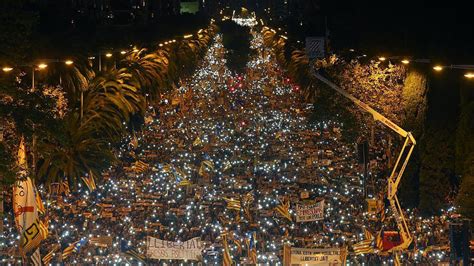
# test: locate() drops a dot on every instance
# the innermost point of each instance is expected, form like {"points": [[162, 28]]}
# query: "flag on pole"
{"points": [[48, 257], [75, 247], [68, 250], [25, 210], [131, 251]]}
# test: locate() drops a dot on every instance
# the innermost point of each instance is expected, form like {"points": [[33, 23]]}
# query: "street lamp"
{"points": [[438, 68], [469, 75], [406, 61], [123, 52], [7, 69], [40, 67], [382, 58], [69, 62], [108, 55]]}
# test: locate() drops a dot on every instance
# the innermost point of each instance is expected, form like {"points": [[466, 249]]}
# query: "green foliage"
{"points": [[7, 166], [414, 102]]}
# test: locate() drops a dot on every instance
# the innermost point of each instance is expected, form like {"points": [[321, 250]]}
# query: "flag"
{"points": [[36, 257], [253, 247], [39, 203], [69, 250], [89, 181], [197, 141], [140, 167], [227, 259], [368, 235], [25, 210], [75, 247], [238, 243], [247, 198], [233, 204], [184, 183], [284, 209], [131, 251], [363, 247], [379, 240], [48, 257]]}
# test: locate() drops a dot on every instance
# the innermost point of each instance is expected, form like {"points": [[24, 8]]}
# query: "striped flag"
{"points": [[39, 203], [227, 259], [238, 243], [69, 250], [48, 257], [284, 209], [73, 248], [363, 247], [379, 240], [36, 257], [253, 247], [131, 251], [233, 204], [367, 234]]}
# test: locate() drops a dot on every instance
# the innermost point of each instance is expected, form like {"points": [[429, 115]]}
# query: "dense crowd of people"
{"points": [[223, 136]]}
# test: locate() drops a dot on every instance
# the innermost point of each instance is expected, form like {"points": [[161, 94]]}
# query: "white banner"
{"points": [[317, 256], [162, 249], [310, 212]]}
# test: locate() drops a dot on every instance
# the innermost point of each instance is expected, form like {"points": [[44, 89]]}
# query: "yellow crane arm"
{"points": [[400, 165]]}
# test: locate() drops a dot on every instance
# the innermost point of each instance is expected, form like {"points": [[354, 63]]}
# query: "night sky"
{"points": [[419, 28]]}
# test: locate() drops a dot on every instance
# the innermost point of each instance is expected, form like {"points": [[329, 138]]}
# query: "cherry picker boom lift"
{"points": [[398, 169]]}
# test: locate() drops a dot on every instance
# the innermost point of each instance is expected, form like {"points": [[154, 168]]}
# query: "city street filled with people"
{"points": [[235, 155]]}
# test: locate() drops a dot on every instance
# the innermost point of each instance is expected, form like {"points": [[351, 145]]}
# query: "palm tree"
{"points": [[71, 156], [73, 79], [148, 70], [111, 99], [81, 146]]}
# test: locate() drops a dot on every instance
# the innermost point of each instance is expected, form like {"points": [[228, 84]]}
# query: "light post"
{"points": [[41, 66]]}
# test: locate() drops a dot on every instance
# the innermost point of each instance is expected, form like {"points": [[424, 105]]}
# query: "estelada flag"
{"points": [[25, 209]]}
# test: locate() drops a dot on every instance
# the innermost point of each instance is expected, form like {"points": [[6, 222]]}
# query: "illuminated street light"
{"points": [[7, 69], [69, 62], [382, 58], [123, 52], [406, 61], [188, 36], [469, 75], [42, 66], [438, 68], [108, 55]]}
